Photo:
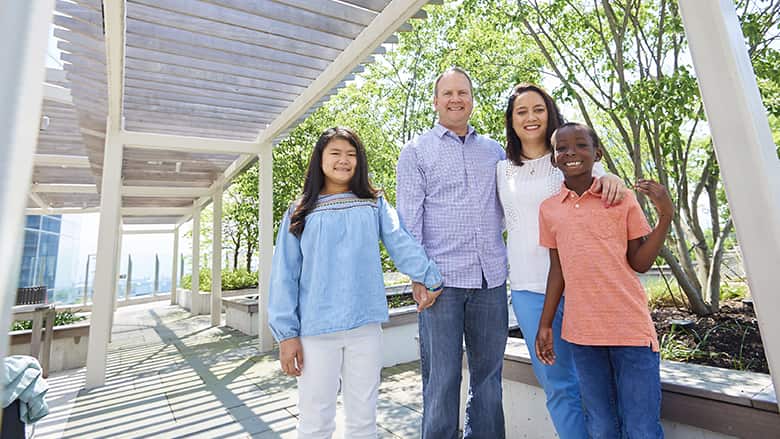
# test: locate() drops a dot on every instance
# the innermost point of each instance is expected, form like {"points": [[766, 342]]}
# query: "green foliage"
{"points": [[60, 319], [733, 291], [231, 280]]}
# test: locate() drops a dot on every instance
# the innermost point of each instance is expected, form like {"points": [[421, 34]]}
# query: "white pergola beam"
{"points": [[23, 31], [164, 191], [105, 267], [148, 232], [195, 266], [60, 210], [186, 143], [63, 189], [114, 29], [155, 211], [265, 245], [383, 25], [216, 255], [56, 93], [175, 268], [65, 161], [39, 201], [746, 153]]}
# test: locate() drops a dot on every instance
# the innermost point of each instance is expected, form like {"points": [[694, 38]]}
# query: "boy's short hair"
{"points": [[591, 133]]}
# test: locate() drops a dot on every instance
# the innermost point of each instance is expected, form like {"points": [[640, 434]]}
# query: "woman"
{"points": [[525, 179]]}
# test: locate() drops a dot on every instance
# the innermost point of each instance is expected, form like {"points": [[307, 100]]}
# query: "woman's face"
{"points": [[529, 117], [339, 160]]}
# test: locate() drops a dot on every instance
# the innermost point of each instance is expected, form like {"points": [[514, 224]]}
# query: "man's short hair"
{"points": [[450, 70]]}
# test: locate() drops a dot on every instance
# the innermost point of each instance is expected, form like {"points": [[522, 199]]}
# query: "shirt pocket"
{"points": [[605, 223]]}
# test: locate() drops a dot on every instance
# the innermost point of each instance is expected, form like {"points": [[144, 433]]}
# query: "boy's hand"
{"points": [[612, 189], [291, 356], [658, 194], [424, 298], [544, 346]]}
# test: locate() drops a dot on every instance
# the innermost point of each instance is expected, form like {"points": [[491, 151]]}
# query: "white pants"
{"points": [[355, 356]]}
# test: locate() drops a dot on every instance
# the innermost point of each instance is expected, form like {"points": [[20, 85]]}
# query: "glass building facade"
{"points": [[41, 246]]}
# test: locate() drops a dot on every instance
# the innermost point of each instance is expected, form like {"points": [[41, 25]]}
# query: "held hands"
{"points": [[544, 346], [658, 194], [612, 189], [291, 356], [424, 298]]}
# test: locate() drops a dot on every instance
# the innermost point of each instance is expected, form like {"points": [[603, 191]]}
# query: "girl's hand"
{"points": [[291, 356], [544, 346], [612, 189], [658, 194]]}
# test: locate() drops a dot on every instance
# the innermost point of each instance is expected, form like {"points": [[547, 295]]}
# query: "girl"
{"points": [[524, 180], [596, 253], [327, 296]]}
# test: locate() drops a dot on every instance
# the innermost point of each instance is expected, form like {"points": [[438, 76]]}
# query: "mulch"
{"points": [[729, 339]]}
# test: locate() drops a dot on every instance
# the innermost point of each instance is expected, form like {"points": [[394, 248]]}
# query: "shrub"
{"points": [[60, 319], [231, 280]]}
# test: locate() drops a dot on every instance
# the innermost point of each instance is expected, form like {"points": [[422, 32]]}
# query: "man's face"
{"points": [[453, 101]]}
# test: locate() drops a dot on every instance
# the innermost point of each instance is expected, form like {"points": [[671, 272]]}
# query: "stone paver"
{"points": [[172, 375]]}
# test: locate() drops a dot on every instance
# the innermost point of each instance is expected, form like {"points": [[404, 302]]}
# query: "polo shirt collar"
{"points": [[440, 130], [563, 195]]}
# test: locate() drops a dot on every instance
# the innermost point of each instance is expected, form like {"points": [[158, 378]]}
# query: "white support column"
{"points": [[175, 267], [195, 298], [216, 256], [266, 243], [103, 298], [24, 32], [746, 153]]}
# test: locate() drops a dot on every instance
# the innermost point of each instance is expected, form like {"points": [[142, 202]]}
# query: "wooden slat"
{"points": [[77, 26], [171, 107], [332, 8], [218, 98], [243, 70], [175, 129], [296, 16], [239, 49], [221, 14], [217, 80], [156, 202], [372, 5], [261, 111], [171, 183], [166, 78], [133, 153], [86, 15], [189, 120], [55, 175]]}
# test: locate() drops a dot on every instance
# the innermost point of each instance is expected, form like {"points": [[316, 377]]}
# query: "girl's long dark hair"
{"points": [[359, 185], [514, 147]]}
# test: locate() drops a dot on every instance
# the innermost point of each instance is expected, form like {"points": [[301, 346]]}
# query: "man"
{"points": [[446, 196]]}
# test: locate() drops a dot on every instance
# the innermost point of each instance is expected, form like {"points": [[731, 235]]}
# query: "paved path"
{"points": [[172, 375]]}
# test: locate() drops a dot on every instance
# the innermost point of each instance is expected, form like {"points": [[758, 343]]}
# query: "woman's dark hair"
{"points": [[315, 179], [514, 147]]}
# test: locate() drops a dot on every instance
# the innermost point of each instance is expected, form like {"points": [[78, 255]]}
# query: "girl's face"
{"points": [[339, 160], [575, 152], [529, 117]]}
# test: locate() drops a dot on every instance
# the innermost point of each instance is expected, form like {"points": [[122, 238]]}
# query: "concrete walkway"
{"points": [[171, 375]]}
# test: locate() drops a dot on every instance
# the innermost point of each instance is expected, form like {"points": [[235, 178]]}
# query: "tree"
{"points": [[623, 64]]}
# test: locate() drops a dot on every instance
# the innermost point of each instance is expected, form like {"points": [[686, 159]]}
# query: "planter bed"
{"points": [[68, 348]]}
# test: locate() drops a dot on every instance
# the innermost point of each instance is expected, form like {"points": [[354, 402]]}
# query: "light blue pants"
{"points": [[559, 381]]}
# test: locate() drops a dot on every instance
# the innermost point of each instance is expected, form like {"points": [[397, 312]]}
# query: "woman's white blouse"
{"points": [[521, 190]]}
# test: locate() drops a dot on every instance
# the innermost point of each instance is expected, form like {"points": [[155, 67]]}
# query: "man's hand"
{"points": [[424, 298], [291, 356], [612, 189], [544, 346]]}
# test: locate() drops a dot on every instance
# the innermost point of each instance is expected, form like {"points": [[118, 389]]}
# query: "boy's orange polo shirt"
{"points": [[606, 304]]}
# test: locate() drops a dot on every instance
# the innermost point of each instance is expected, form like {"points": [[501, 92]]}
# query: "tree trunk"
{"points": [[693, 294], [713, 283]]}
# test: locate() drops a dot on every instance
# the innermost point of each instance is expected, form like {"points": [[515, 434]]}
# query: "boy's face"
{"points": [[575, 152]]}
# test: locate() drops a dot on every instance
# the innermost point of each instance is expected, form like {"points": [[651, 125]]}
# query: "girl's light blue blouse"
{"points": [[331, 278]]}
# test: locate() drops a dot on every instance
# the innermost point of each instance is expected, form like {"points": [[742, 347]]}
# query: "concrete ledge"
{"points": [[68, 348], [729, 402], [241, 313]]}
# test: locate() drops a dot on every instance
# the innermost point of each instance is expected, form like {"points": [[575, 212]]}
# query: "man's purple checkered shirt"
{"points": [[446, 197]]}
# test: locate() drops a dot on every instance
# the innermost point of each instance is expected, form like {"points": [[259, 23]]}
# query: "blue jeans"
{"points": [[559, 381], [480, 316], [621, 391]]}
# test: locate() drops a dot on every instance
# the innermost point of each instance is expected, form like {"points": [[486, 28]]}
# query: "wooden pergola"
{"points": [[165, 101]]}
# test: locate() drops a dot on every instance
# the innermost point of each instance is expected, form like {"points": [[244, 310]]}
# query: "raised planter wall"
{"points": [[200, 303], [68, 348], [699, 402]]}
